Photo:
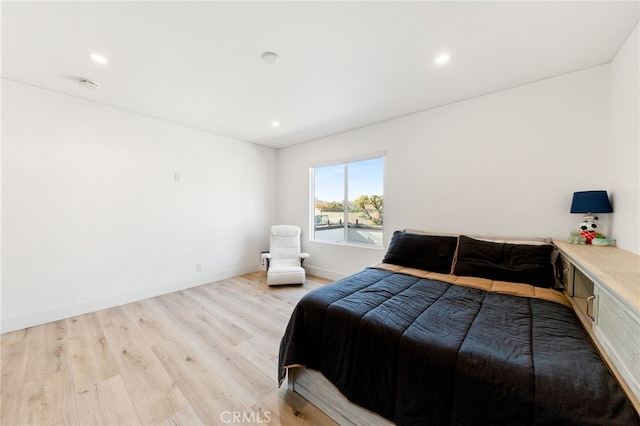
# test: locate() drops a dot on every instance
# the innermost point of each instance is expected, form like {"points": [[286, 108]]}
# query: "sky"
{"points": [[365, 178]]}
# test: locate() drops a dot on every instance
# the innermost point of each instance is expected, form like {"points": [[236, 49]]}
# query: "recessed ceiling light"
{"points": [[270, 58], [98, 58], [275, 123], [441, 59]]}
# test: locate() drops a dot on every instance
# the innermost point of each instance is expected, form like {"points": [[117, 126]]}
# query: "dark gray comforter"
{"points": [[425, 352]]}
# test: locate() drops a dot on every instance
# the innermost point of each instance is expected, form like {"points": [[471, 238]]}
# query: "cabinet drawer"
{"points": [[618, 330], [581, 292], [582, 285]]}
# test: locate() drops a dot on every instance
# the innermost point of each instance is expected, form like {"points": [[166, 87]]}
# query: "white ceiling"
{"points": [[343, 65]]}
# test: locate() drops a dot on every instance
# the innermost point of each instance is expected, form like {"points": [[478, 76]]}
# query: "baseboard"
{"points": [[324, 273], [44, 317]]}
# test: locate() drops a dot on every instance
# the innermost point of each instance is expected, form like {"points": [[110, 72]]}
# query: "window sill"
{"points": [[379, 247]]}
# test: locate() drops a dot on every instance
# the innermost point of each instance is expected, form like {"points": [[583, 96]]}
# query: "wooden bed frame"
{"points": [[319, 391]]}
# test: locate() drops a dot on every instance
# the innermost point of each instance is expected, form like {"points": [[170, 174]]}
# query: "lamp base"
{"points": [[588, 227]]}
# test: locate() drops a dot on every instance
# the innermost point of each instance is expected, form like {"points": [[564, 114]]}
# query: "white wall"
{"points": [[506, 163], [92, 215], [624, 146]]}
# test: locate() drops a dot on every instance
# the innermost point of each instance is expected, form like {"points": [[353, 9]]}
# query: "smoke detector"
{"points": [[270, 58], [88, 84]]}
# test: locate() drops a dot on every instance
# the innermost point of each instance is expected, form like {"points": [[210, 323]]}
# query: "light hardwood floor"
{"points": [[202, 356]]}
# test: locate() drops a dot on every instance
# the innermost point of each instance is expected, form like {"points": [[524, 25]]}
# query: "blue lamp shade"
{"points": [[591, 202]]}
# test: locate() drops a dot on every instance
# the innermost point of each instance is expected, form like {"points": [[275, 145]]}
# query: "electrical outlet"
{"points": [[198, 267]]}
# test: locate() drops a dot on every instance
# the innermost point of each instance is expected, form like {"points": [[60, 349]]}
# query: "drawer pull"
{"points": [[590, 301]]}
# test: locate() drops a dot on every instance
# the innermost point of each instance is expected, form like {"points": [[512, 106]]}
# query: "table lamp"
{"points": [[590, 203]]}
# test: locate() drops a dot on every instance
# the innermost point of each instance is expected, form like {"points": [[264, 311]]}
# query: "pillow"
{"points": [[520, 263], [427, 252]]}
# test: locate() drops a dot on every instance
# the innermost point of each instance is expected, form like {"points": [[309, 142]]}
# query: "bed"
{"points": [[455, 330]]}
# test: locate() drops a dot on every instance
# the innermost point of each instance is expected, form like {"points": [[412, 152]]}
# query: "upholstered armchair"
{"points": [[284, 260]]}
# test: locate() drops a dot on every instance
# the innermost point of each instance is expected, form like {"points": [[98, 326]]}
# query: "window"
{"points": [[348, 201]]}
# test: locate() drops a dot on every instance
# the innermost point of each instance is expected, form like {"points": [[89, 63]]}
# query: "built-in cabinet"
{"points": [[603, 285]]}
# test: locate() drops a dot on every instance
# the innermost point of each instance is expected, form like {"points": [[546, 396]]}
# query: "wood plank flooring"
{"points": [[202, 356]]}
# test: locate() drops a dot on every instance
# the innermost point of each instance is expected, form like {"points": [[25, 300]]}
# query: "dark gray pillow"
{"points": [[520, 263], [432, 253]]}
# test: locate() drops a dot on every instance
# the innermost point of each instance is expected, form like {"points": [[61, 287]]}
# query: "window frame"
{"points": [[345, 162]]}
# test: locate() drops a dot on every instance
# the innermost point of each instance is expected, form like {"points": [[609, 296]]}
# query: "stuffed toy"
{"points": [[588, 228]]}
